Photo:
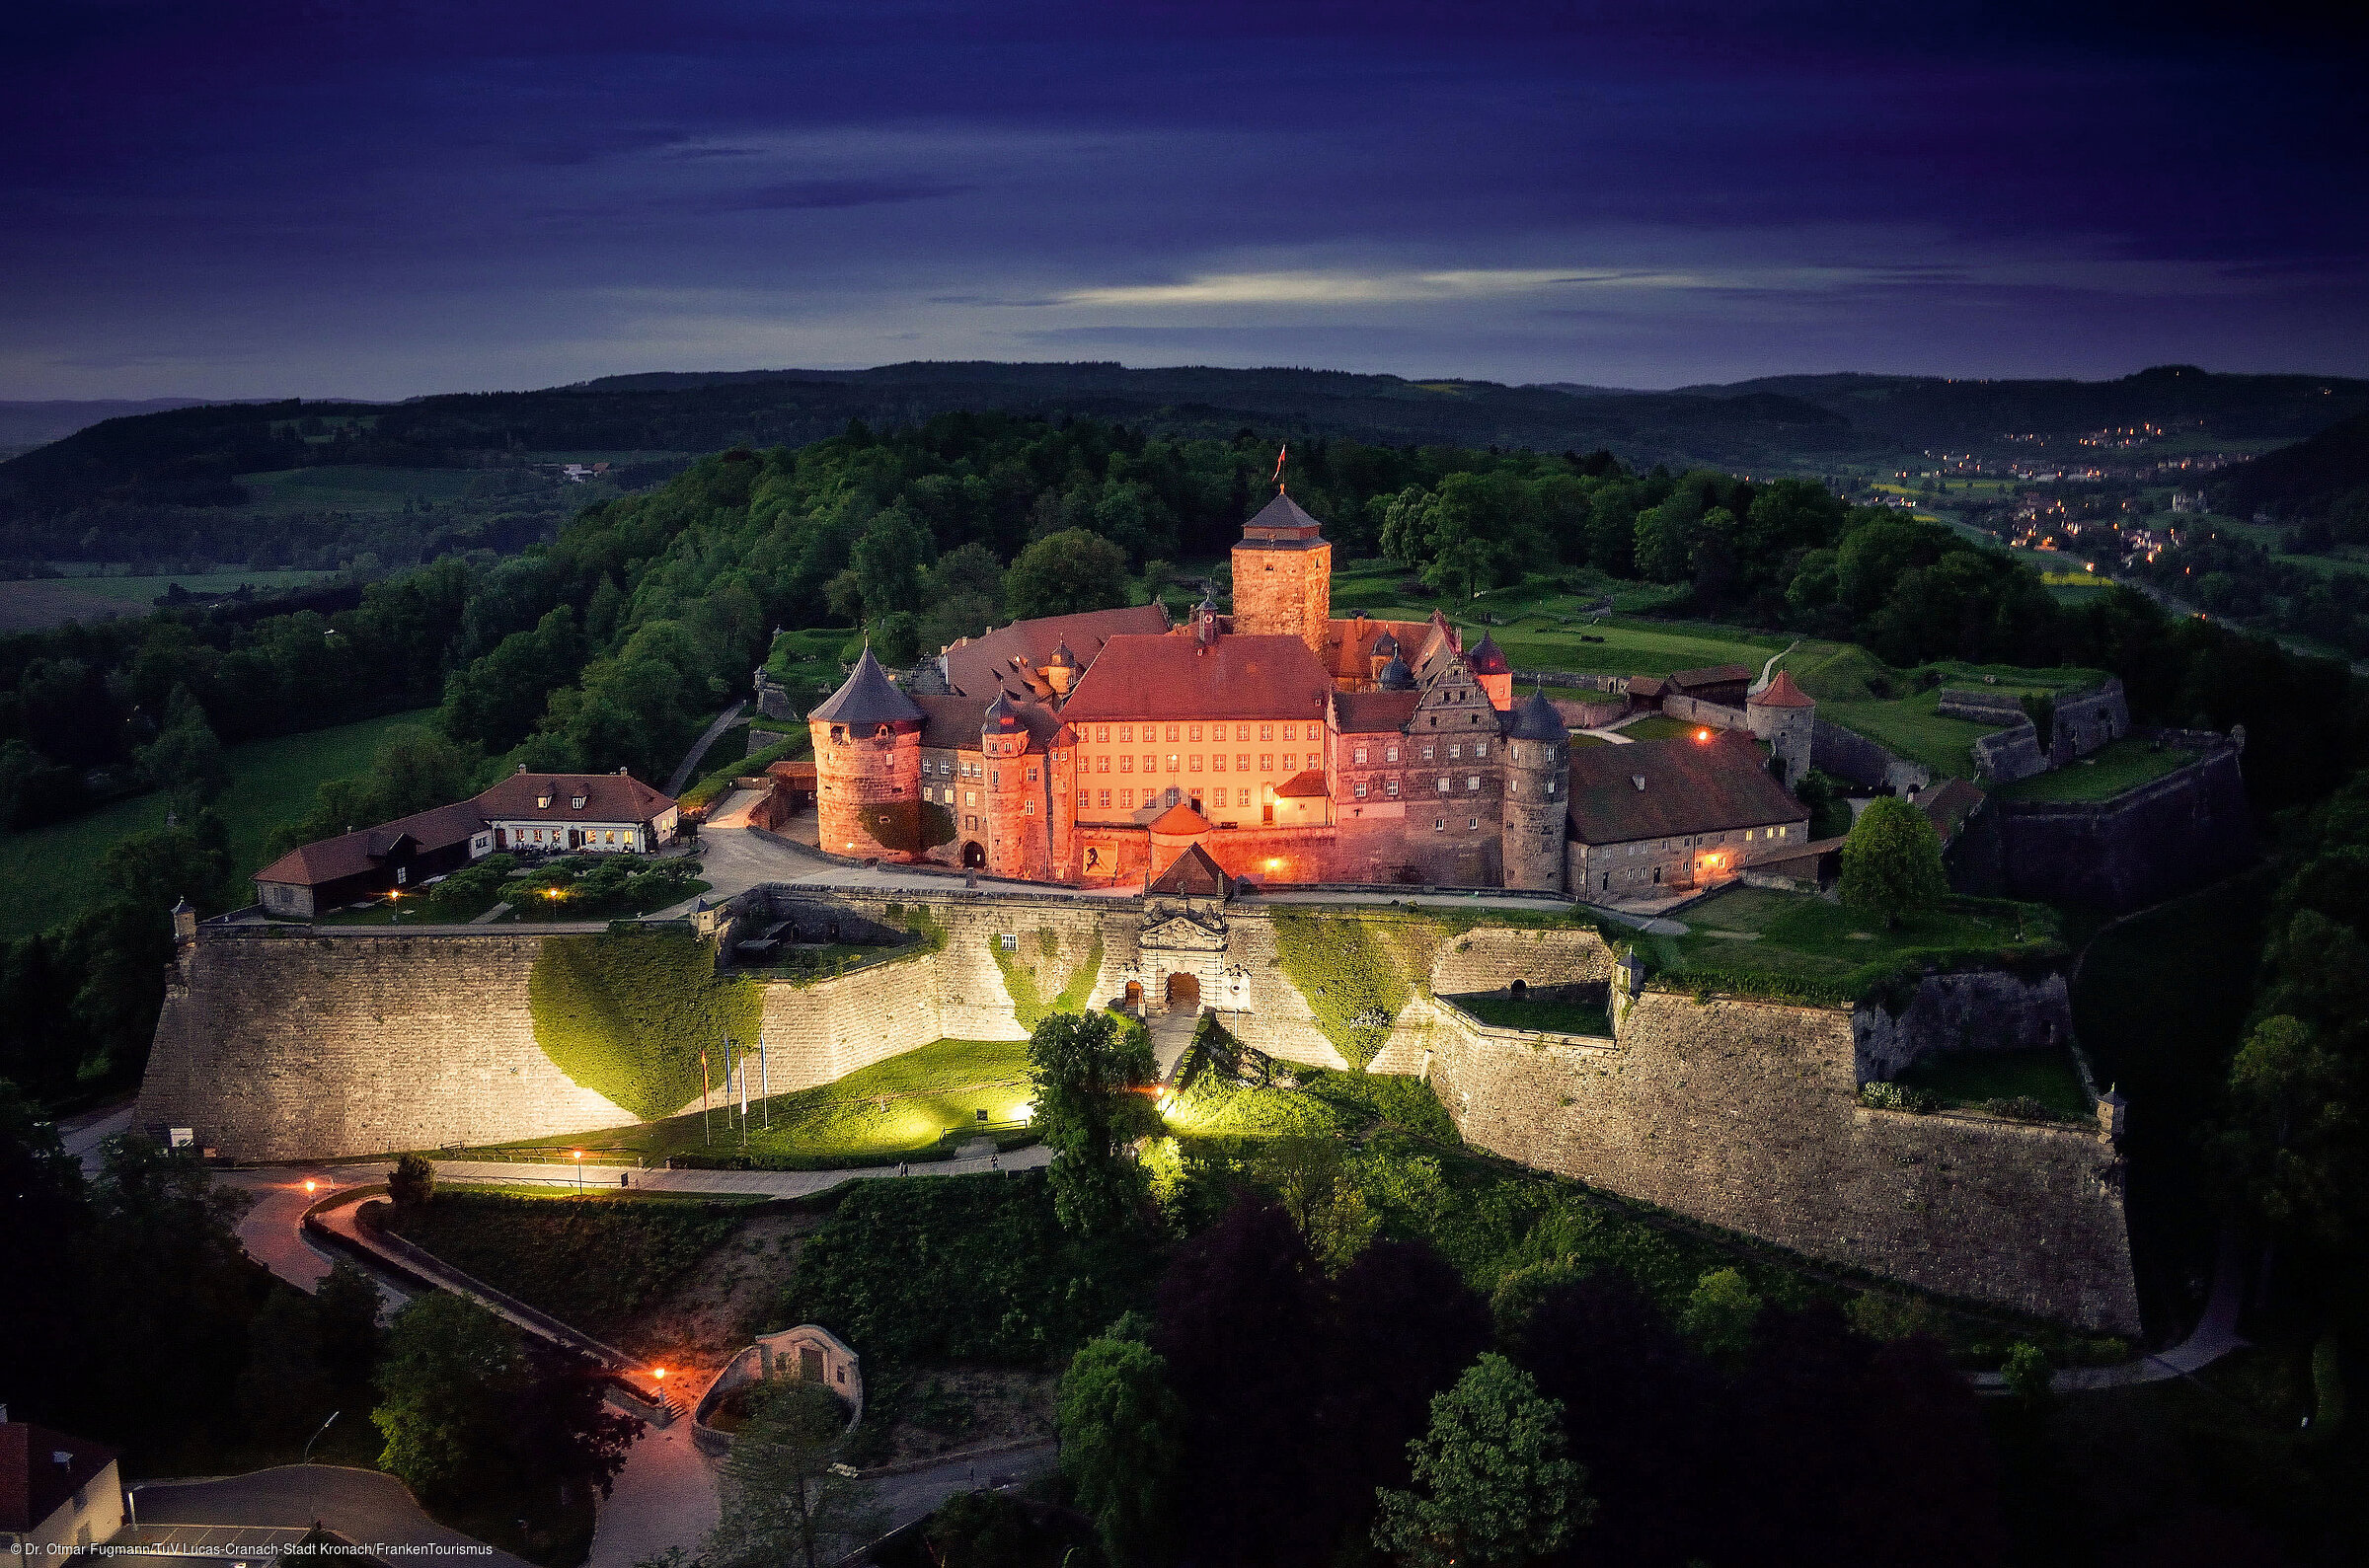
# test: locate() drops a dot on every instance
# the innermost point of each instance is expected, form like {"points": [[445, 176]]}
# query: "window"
{"points": [[1031, 776], [1390, 788], [1242, 731], [1361, 788], [1242, 760], [1009, 941], [1267, 761], [1390, 754], [1359, 755], [1173, 797], [1481, 750], [543, 803], [1104, 800], [1081, 802], [1171, 732], [1444, 784], [1102, 765], [1126, 734], [1455, 751], [1287, 731], [970, 797], [1102, 735], [1193, 764], [1439, 824], [1217, 763], [1472, 781], [1126, 799], [1267, 731], [1027, 808], [1194, 733], [1429, 752], [1291, 762], [1242, 797], [612, 837], [1151, 765], [576, 801], [1173, 760]]}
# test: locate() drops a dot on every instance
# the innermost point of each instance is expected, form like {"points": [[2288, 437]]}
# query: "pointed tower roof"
{"points": [[1535, 718], [1384, 647], [868, 697], [1486, 658], [1282, 524], [1782, 692], [1061, 655], [1002, 717], [1193, 875]]}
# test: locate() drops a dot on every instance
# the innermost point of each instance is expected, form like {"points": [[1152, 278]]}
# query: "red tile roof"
{"points": [[1645, 685], [1306, 785], [1173, 677], [1193, 875], [951, 722], [607, 797], [351, 853], [982, 666], [1690, 786], [1374, 713], [1181, 821], [1782, 692], [1349, 645], [32, 1484]]}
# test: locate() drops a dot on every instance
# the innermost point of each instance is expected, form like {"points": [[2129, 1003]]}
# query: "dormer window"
{"points": [[543, 803], [577, 802]]}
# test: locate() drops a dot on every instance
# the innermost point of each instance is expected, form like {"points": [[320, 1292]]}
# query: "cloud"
{"points": [[1366, 288], [819, 194]]}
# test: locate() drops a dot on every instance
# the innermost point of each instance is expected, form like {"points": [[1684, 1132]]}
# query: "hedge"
{"points": [[626, 1015]]}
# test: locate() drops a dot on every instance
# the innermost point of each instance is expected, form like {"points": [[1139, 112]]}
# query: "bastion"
{"points": [[280, 1045]]}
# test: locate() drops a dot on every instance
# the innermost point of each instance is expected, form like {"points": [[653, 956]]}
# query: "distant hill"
{"points": [[1934, 412], [2300, 482], [35, 424]]}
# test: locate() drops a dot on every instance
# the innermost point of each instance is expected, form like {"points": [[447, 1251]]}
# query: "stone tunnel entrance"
{"points": [[1184, 990]]}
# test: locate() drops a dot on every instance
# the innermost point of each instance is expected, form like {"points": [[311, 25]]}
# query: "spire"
{"points": [[868, 696]]}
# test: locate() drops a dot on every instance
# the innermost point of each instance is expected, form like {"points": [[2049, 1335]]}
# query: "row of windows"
{"points": [[1179, 763], [1101, 800], [1430, 752], [1217, 732], [1695, 841]]}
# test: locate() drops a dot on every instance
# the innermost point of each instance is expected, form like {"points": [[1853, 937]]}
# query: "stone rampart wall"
{"points": [[1988, 1010], [2163, 838], [1846, 754], [293, 1048], [1746, 1114], [1494, 957], [1694, 710]]}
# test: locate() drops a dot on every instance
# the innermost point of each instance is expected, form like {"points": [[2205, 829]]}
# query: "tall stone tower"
{"points": [[1783, 715], [1489, 668], [1283, 577], [868, 767], [1019, 796], [1538, 773]]}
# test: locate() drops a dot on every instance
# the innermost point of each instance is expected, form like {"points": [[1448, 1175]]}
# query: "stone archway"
{"points": [[1135, 998], [973, 856], [1184, 991]]}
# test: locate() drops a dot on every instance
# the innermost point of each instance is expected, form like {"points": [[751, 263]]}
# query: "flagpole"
{"points": [[707, 1132]]}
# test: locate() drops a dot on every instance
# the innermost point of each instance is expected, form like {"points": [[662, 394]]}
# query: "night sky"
{"points": [[380, 199]]}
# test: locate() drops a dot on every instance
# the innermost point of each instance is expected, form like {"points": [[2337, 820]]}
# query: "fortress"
{"points": [[288, 1043], [1280, 744]]}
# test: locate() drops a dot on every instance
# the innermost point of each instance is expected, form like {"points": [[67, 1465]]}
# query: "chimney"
{"points": [[521, 769]]}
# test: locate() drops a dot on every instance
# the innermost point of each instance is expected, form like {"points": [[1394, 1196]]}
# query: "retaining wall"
{"points": [[1847, 754], [2164, 838]]}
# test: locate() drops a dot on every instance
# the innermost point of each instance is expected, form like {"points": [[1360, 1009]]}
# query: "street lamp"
{"points": [[309, 1185], [580, 1171]]}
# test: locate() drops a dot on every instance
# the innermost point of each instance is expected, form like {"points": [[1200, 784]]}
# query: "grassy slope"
{"points": [[354, 490], [901, 1107], [2122, 765], [48, 874], [1759, 940], [2046, 1075]]}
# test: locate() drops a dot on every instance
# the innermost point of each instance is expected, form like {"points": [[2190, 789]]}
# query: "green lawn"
{"points": [[355, 488], [1913, 727], [1971, 1078], [48, 875], [1760, 941], [143, 590], [1551, 1015], [2117, 766], [1658, 726], [900, 1108]]}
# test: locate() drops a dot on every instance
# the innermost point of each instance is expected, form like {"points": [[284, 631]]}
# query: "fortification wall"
{"points": [[1989, 1011], [2162, 839], [1847, 754], [821, 1030], [1494, 957], [1746, 1114], [1694, 710], [285, 1047]]}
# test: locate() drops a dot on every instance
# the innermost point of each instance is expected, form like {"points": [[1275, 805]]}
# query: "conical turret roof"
{"points": [[1535, 718], [1396, 676], [868, 697], [1061, 655], [1002, 716], [1782, 692], [1486, 658]]}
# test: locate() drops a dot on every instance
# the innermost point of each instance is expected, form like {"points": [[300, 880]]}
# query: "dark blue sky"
{"points": [[340, 197]]}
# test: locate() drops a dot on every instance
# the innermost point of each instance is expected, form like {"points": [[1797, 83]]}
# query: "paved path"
{"points": [[730, 1183], [911, 1496], [665, 1496], [370, 1509], [699, 748], [83, 1135], [272, 1230]]}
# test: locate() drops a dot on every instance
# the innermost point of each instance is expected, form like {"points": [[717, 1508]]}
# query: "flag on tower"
{"points": [[1281, 453]]}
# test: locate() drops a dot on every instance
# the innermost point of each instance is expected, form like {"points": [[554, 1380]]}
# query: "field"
{"points": [[355, 490], [903, 1108], [1551, 1016], [1764, 942], [1974, 1077], [1862, 694], [28, 605], [48, 875], [2119, 765]]}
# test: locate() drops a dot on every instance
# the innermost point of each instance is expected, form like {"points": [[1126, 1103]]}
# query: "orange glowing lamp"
{"points": [[1702, 735], [309, 1186]]}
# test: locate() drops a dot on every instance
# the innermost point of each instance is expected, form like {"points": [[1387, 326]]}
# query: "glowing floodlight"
{"points": [[1702, 735]]}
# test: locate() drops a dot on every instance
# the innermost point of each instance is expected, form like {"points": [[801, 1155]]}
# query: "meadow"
{"points": [[32, 604], [48, 874], [2107, 772], [356, 488], [1760, 941]]}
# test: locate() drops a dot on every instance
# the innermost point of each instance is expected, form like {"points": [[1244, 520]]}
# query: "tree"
{"points": [[561, 1428], [1892, 861], [185, 761], [1311, 1177], [285, 1389], [1066, 572], [782, 1498], [1083, 1064], [412, 1181], [889, 563], [1494, 1478], [1121, 1436], [2294, 1143], [452, 1372], [1720, 1313], [345, 1309]]}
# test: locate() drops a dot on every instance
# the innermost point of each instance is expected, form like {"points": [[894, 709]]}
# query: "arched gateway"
{"points": [[1184, 990]]}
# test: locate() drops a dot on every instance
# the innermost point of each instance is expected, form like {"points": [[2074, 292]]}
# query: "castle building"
{"points": [[1277, 743]]}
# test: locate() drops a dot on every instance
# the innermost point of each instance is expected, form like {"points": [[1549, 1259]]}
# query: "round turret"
{"points": [[1786, 718], [1396, 676], [1061, 670], [1486, 658], [1538, 766], [1017, 802], [868, 767]]}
